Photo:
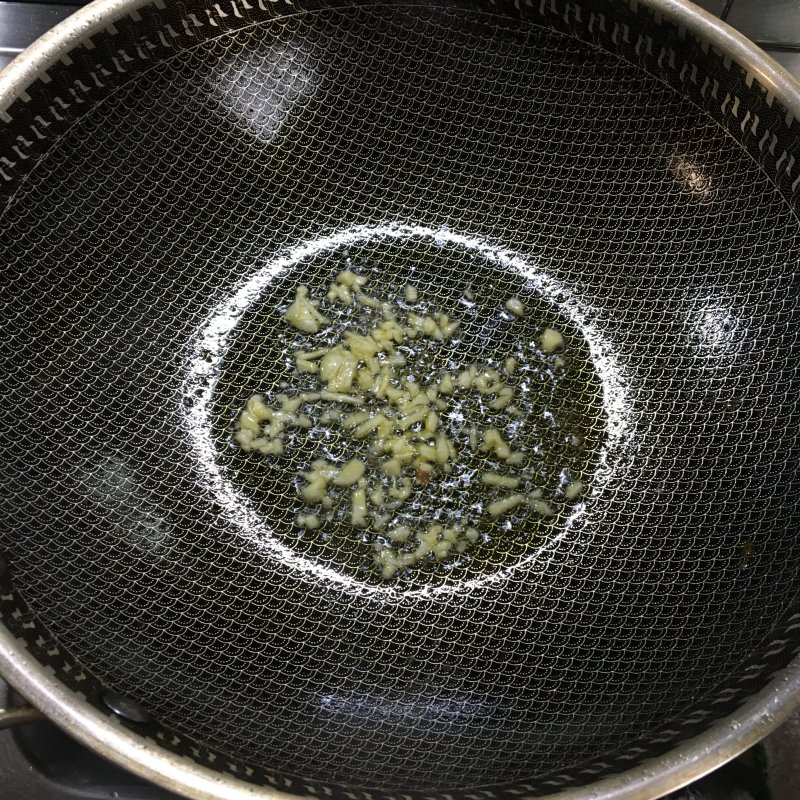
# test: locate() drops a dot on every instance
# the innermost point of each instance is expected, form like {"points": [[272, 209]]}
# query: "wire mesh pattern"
{"points": [[613, 201]]}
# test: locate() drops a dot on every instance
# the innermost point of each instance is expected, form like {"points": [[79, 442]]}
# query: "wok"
{"points": [[172, 172]]}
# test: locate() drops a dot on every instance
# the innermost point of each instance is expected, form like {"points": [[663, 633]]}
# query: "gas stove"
{"points": [[39, 762]]}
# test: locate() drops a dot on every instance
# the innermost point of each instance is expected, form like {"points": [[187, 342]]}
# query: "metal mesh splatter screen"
{"points": [[148, 256]]}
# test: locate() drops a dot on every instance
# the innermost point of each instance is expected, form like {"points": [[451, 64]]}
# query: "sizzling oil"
{"points": [[556, 422]]}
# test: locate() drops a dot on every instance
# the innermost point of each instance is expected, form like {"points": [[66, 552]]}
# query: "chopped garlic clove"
{"points": [[441, 549], [314, 491], [442, 449], [338, 369], [495, 479], [472, 534], [341, 397], [503, 399], [515, 306], [574, 490], [465, 378], [303, 314], [392, 467], [377, 496], [493, 440], [355, 418], [244, 439], [350, 473], [550, 340], [268, 447], [339, 293], [505, 505], [257, 408], [403, 491], [399, 534], [247, 422], [350, 279], [358, 512], [304, 365]]}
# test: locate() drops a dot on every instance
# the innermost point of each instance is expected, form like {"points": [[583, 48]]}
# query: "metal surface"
{"points": [[712, 6], [789, 61], [147, 251], [22, 23], [11, 717], [38, 761], [125, 707], [778, 21]]}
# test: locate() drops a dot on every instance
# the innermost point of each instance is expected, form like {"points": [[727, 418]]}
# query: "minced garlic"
{"points": [[515, 306], [494, 479], [575, 489], [505, 504], [303, 313], [350, 473], [398, 424], [550, 340]]}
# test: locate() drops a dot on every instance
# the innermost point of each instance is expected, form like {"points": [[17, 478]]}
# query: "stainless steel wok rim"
{"points": [[694, 758], [93, 18]]}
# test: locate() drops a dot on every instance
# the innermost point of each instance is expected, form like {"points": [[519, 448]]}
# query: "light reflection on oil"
{"points": [[717, 334], [123, 509], [210, 344], [717, 327], [263, 86], [367, 708], [692, 177]]}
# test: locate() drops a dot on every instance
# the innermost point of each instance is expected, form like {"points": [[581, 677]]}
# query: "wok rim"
{"points": [[652, 778]]}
